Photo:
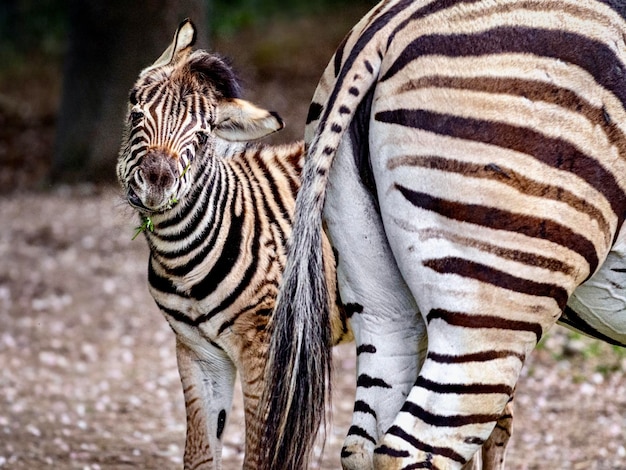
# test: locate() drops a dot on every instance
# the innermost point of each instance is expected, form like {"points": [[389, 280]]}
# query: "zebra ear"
{"points": [[184, 38], [241, 121]]}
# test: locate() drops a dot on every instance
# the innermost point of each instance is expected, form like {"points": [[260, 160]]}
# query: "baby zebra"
{"points": [[217, 214]]}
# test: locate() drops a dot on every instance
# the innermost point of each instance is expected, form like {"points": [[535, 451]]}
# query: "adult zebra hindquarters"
{"points": [[496, 145]]}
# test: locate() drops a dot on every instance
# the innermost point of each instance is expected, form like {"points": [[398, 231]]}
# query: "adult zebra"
{"points": [[217, 213], [469, 158]]}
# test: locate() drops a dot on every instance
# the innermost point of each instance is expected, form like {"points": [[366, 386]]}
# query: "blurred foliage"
{"points": [[31, 27], [228, 16], [38, 27], [35, 49]]}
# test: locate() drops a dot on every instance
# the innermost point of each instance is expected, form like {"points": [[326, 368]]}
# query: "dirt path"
{"points": [[88, 378]]}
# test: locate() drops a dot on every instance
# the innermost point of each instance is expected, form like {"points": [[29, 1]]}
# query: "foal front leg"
{"points": [[208, 379]]}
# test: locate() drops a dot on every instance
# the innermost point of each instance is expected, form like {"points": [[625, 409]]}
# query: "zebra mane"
{"points": [[215, 70]]}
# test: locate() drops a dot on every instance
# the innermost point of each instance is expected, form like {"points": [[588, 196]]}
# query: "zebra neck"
{"points": [[190, 224]]}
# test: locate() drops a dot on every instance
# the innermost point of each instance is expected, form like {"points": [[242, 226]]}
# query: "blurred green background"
{"points": [[66, 68]]}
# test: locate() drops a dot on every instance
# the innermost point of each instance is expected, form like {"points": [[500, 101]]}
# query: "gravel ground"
{"points": [[88, 376]]}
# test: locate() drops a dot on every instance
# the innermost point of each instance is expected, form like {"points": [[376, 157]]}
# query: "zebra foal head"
{"points": [[178, 109]]}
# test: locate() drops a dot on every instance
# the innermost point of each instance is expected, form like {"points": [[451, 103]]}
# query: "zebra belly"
{"points": [[598, 306]]}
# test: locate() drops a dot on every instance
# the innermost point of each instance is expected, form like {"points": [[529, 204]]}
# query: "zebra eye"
{"points": [[133, 97], [203, 137], [135, 116]]}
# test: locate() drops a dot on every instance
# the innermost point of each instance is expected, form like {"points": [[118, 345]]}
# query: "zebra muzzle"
{"points": [[154, 181]]}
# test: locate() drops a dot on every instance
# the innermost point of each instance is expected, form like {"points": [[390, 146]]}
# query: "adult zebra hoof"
{"points": [[392, 454], [356, 454]]}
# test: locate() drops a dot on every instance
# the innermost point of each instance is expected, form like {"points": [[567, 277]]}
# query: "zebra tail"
{"points": [[298, 370], [297, 377]]}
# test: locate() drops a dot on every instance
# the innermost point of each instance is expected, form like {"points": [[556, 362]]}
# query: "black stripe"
{"points": [[499, 219], [473, 357], [162, 284], [385, 450], [315, 110], [175, 314], [366, 381], [487, 274], [366, 348], [443, 451], [135, 164], [221, 422], [351, 308], [345, 453], [463, 389], [505, 430], [429, 9], [337, 58], [263, 312], [361, 407], [150, 93], [466, 320], [451, 421], [414, 466], [571, 318], [140, 139], [358, 431]]}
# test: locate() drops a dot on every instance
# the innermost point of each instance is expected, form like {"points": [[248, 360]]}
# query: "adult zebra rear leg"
{"points": [[388, 329], [473, 362], [385, 372], [454, 407]]}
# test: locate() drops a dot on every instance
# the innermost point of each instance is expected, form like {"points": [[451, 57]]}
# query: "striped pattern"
{"points": [[221, 213], [494, 136]]}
